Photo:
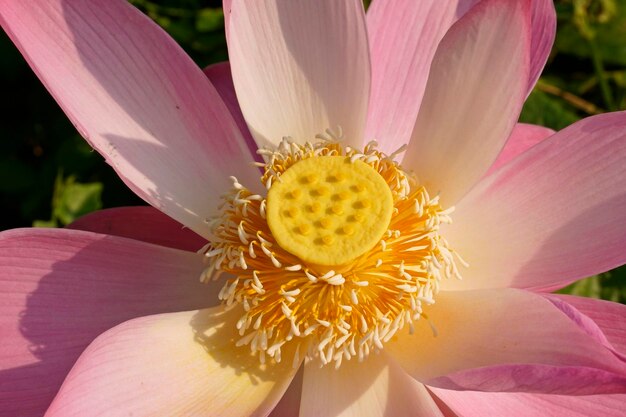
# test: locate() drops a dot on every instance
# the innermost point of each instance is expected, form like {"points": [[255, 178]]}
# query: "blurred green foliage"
{"points": [[48, 172], [198, 26], [70, 200]]}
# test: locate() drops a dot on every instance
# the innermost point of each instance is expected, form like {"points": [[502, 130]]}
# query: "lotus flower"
{"points": [[339, 276]]}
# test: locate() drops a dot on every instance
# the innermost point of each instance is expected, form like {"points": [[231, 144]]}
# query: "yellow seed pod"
{"points": [[328, 210]]}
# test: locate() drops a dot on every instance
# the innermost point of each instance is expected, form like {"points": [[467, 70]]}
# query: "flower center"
{"points": [[342, 253], [329, 210]]}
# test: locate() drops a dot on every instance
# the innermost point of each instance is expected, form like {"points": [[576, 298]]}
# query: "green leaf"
{"points": [[73, 199], [608, 35], [45, 223]]}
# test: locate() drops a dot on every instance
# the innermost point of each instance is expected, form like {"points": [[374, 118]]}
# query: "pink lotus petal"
{"points": [[137, 98], [609, 317], [404, 35], [543, 18], [473, 98], [300, 67], [61, 288], [222, 80], [227, 8], [506, 332], [585, 323], [176, 364], [289, 404], [376, 387], [144, 223], [533, 378], [481, 404], [523, 137], [553, 215]]}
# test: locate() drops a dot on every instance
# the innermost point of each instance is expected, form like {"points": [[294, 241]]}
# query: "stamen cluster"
{"points": [[333, 313]]}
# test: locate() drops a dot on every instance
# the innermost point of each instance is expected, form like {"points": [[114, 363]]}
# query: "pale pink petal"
{"points": [[289, 404], [473, 98], [375, 387], [481, 404], [300, 67], [506, 340], [137, 98], [227, 8], [404, 35], [176, 364], [141, 223], [62, 288], [523, 137], [553, 215], [222, 80], [543, 18], [609, 317]]}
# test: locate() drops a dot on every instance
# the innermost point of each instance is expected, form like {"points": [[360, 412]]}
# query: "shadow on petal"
{"points": [[62, 288]]}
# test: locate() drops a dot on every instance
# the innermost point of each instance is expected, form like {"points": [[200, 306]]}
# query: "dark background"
{"points": [[49, 175]]}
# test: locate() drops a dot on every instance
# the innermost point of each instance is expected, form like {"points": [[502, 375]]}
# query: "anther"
{"points": [[310, 276], [337, 280], [293, 268], [328, 275]]}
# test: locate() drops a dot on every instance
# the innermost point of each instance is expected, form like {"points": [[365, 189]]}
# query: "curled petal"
{"points": [[507, 340], [569, 380], [480, 404], [608, 316]]}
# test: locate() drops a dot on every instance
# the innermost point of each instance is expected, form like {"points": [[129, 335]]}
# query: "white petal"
{"points": [[300, 67]]}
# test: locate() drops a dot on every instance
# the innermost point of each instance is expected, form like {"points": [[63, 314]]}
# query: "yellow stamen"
{"points": [[342, 253]]}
